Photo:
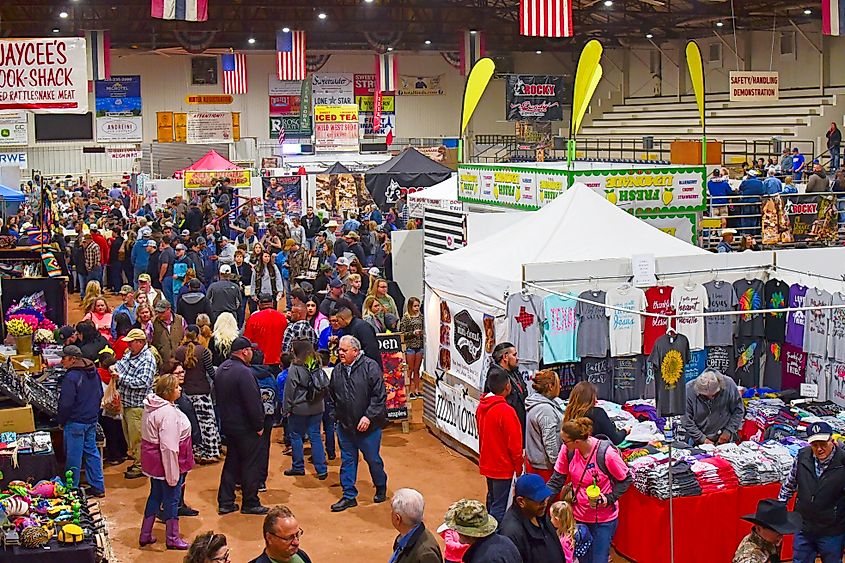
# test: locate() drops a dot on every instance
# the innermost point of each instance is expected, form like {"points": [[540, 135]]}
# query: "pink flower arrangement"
{"points": [[31, 320], [47, 324]]}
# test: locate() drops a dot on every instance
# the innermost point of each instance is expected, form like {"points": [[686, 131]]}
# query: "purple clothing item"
{"points": [[794, 365], [795, 319]]}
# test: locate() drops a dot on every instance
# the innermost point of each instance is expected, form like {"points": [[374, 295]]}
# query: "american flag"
{"points": [[234, 73], [290, 55], [545, 18]]}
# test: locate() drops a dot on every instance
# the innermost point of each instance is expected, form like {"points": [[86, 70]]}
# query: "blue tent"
{"points": [[11, 199]]}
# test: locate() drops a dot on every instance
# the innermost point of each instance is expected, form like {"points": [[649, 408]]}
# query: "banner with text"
{"points": [[206, 179], [282, 193], [45, 75], [454, 414], [118, 107], [534, 98], [285, 108], [127, 153], [336, 127], [13, 128], [421, 85], [466, 342], [364, 98], [333, 89], [754, 86], [393, 367], [13, 159], [205, 127]]}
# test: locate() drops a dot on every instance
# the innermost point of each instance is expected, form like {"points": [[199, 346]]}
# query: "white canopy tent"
{"points": [[442, 196]]}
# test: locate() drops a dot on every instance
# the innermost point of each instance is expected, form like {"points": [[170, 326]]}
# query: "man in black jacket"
{"points": [[505, 358], [818, 479], [527, 524], [312, 225], [357, 389], [365, 334], [193, 303], [241, 412], [193, 219]]}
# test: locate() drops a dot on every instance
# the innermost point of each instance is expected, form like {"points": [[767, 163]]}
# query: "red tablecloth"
{"points": [[707, 527]]}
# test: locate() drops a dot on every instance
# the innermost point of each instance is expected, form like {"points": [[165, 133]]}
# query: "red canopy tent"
{"points": [[211, 161]]}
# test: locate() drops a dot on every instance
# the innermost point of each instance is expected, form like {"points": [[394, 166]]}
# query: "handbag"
{"points": [[111, 399], [567, 492]]}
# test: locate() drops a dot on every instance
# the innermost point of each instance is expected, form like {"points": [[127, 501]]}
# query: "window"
{"points": [[714, 54], [203, 71], [787, 46]]}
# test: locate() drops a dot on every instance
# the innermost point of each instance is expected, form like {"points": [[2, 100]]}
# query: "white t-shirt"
{"points": [[690, 300], [626, 329]]}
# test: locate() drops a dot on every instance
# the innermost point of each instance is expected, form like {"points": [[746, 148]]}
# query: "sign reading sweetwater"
{"points": [[45, 75], [754, 86], [534, 98], [454, 414]]}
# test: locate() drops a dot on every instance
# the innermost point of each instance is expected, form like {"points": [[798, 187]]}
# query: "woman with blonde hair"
{"points": [[93, 291], [379, 290], [100, 314], [224, 333], [411, 326], [582, 402], [373, 314], [564, 522], [199, 374], [204, 324], [144, 320]]}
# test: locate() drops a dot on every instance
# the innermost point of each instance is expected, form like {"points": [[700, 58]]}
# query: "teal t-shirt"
{"points": [[560, 330]]}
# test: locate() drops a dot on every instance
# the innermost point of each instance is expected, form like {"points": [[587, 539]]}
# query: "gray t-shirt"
{"points": [[669, 356], [836, 335], [719, 330], [593, 333], [167, 256], [817, 368], [525, 317], [816, 321]]}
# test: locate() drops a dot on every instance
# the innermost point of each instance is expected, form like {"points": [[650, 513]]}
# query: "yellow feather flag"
{"points": [[586, 79], [696, 72], [479, 78]]}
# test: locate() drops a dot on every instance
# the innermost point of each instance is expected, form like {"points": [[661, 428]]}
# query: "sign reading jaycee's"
{"points": [[534, 98]]}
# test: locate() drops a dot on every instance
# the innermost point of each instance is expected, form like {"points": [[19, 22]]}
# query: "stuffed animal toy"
{"points": [[45, 489], [34, 536], [70, 533], [15, 506]]}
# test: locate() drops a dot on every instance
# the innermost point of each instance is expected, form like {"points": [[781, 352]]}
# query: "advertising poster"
{"points": [[466, 342], [13, 128], [455, 414], [421, 85], [13, 159], [333, 89], [205, 179], [45, 75], [393, 366], [118, 109], [206, 127], [286, 107], [681, 189], [534, 98], [336, 127], [342, 194], [754, 86], [283, 193], [365, 85], [682, 226]]}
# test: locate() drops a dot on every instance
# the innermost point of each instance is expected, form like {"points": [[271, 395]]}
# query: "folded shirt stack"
{"points": [[650, 475], [750, 465], [715, 474]]}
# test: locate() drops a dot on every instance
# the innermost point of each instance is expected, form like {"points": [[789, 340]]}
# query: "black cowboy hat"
{"points": [[773, 514]]}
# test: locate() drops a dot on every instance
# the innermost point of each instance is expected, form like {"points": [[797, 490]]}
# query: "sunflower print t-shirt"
{"points": [[670, 353]]}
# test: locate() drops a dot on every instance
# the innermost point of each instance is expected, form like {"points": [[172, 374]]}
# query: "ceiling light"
{"points": [[472, 32], [322, 15], [389, 49], [285, 30], [428, 41], [368, 1], [720, 24], [539, 52], [648, 35], [55, 30], [63, 15], [251, 40], [808, 11], [608, 3]]}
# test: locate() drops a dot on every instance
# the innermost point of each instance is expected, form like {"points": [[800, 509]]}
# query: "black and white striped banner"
{"points": [[444, 231]]}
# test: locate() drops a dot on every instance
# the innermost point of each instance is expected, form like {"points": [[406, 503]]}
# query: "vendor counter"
{"points": [[707, 527]]}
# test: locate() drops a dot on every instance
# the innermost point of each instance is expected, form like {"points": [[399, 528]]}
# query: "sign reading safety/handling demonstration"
{"points": [[754, 86]]}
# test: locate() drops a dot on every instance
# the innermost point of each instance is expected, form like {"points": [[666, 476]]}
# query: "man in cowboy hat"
{"points": [[771, 522], [477, 528], [725, 244]]}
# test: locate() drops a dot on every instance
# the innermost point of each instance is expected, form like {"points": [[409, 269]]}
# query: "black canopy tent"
{"points": [[336, 168], [391, 180]]}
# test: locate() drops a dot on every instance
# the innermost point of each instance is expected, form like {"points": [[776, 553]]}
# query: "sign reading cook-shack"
{"points": [[754, 86], [534, 98]]}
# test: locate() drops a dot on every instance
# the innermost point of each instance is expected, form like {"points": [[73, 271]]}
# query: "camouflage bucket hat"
{"points": [[470, 518]]}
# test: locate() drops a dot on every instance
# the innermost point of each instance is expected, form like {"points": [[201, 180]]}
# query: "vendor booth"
{"points": [[403, 174], [439, 196], [340, 192], [11, 200]]}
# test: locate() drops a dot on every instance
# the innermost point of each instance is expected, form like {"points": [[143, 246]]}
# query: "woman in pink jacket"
{"points": [[166, 456]]}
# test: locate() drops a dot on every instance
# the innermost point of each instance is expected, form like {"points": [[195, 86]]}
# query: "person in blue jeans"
{"points": [[357, 389], [79, 409], [817, 479], [305, 388]]}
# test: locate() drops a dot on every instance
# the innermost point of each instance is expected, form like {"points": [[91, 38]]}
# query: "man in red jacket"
{"points": [[101, 241], [265, 328], [499, 442]]}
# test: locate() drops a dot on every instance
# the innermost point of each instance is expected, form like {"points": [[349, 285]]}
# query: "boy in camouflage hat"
{"points": [[477, 528]]}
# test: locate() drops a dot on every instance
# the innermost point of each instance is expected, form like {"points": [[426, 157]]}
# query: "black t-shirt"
{"points": [[669, 356], [777, 297]]}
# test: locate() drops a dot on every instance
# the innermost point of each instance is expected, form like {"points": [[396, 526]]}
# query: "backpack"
{"points": [[601, 453], [318, 384]]}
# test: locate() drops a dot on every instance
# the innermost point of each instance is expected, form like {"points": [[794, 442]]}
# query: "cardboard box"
{"points": [[18, 419]]}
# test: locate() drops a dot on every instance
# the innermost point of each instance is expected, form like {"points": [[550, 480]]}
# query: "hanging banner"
{"points": [[118, 109], [644, 189], [205, 179], [365, 100], [286, 108], [13, 159], [466, 339], [205, 127], [754, 86], [393, 367], [209, 99], [333, 89], [682, 226], [454, 414], [45, 75], [128, 154], [421, 85], [13, 128], [534, 98], [336, 128], [282, 193]]}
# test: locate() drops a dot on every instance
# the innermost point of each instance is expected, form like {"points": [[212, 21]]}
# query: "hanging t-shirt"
{"points": [[559, 329], [719, 330], [525, 315], [628, 379], [721, 359], [593, 338], [748, 351], [777, 295], [817, 373], [626, 333], [598, 372], [837, 382], [773, 369], [686, 300], [795, 319], [658, 300], [670, 354], [794, 362], [816, 321], [750, 296], [836, 335], [569, 375], [696, 365]]}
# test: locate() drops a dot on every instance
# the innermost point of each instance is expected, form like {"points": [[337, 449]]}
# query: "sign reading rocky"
{"points": [[534, 98]]}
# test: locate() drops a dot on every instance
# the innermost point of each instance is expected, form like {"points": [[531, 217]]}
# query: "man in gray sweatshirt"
{"points": [[714, 411]]}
